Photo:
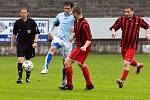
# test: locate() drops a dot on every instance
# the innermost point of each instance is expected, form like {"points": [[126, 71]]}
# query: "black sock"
{"points": [[20, 70], [28, 74], [64, 74]]}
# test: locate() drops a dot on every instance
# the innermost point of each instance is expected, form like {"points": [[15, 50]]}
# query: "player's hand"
{"points": [[50, 36], [12, 48], [34, 45], [72, 37], [147, 37], [72, 30], [114, 35], [83, 48]]}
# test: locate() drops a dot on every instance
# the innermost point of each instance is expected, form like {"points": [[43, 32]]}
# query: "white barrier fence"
{"points": [[99, 27]]}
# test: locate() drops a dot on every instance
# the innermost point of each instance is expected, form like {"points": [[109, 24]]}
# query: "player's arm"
{"points": [[72, 37], [87, 44], [36, 38], [146, 26], [147, 36], [36, 35], [72, 30], [113, 33], [72, 26], [13, 41], [115, 27], [52, 26], [54, 23], [35, 44], [14, 35], [88, 34]]}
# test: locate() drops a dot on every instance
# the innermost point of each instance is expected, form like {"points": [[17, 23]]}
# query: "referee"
{"points": [[26, 31]]}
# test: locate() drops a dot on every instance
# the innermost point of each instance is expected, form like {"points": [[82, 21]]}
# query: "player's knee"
{"points": [[53, 49], [67, 63], [127, 68], [126, 64], [20, 59], [81, 65]]}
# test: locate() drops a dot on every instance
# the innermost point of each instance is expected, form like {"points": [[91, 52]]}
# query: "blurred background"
{"points": [[92, 8]]}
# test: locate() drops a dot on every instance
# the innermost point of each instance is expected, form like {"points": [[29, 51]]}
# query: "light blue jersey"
{"points": [[66, 22], [62, 36]]}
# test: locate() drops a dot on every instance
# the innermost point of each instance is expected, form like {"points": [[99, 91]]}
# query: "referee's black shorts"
{"points": [[25, 50]]}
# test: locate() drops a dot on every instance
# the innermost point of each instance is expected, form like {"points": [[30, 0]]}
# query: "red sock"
{"points": [[69, 74], [86, 75], [134, 63], [124, 75]]}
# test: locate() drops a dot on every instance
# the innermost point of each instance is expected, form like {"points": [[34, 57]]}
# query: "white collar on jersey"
{"points": [[67, 14]]}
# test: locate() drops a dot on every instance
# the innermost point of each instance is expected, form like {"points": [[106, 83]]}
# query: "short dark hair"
{"points": [[69, 3], [24, 8], [129, 7], [77, 9]]}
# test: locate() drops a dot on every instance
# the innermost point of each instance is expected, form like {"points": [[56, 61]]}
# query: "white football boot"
{"points": [[44, 71]]}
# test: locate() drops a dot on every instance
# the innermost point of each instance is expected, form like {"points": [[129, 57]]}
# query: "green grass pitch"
{"points": [[104, 69]]}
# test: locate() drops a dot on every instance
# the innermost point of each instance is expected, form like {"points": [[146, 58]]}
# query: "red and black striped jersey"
{"points": [[130, 30], [82, 32]]}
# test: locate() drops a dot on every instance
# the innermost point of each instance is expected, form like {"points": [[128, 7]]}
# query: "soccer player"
{"points": [[80, 53], [26, 31], [130, 26], [65, 22]]}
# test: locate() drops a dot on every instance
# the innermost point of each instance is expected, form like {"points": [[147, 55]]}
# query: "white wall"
{"points": [[100, 27]]}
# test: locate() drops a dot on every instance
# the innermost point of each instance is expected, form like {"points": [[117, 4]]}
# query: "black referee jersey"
{"points": [[25, 31]]}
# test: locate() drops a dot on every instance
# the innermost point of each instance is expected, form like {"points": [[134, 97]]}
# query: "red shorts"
{"points": [[128, 54], [78, 55]]}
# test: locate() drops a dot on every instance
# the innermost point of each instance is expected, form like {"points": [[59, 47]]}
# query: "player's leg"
{"points": [[65, 51], [81, 58], [48, 59], [128, 57], [29, 54], [119, 81], [137, 65], [20, 69], [124, 74], [86, 75], [69, 74], [64, 80], [50, 54], [56, 44], [20, 57]]}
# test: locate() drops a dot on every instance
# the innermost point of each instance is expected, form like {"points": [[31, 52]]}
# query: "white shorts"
{"points": [[65, 46], [66, 51]]}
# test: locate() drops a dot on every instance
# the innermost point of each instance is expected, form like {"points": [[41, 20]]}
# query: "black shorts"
{"points": [[25, 50]]}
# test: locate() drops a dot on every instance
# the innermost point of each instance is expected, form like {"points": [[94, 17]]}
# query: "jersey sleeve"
{"points": [[15, 28], [116, 25], [35, 30], [143, 24], [72, 23], [87, 31], [56, 20]]}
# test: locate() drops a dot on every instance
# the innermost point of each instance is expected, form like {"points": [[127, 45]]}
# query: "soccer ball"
{"points": [[27, 65]]}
